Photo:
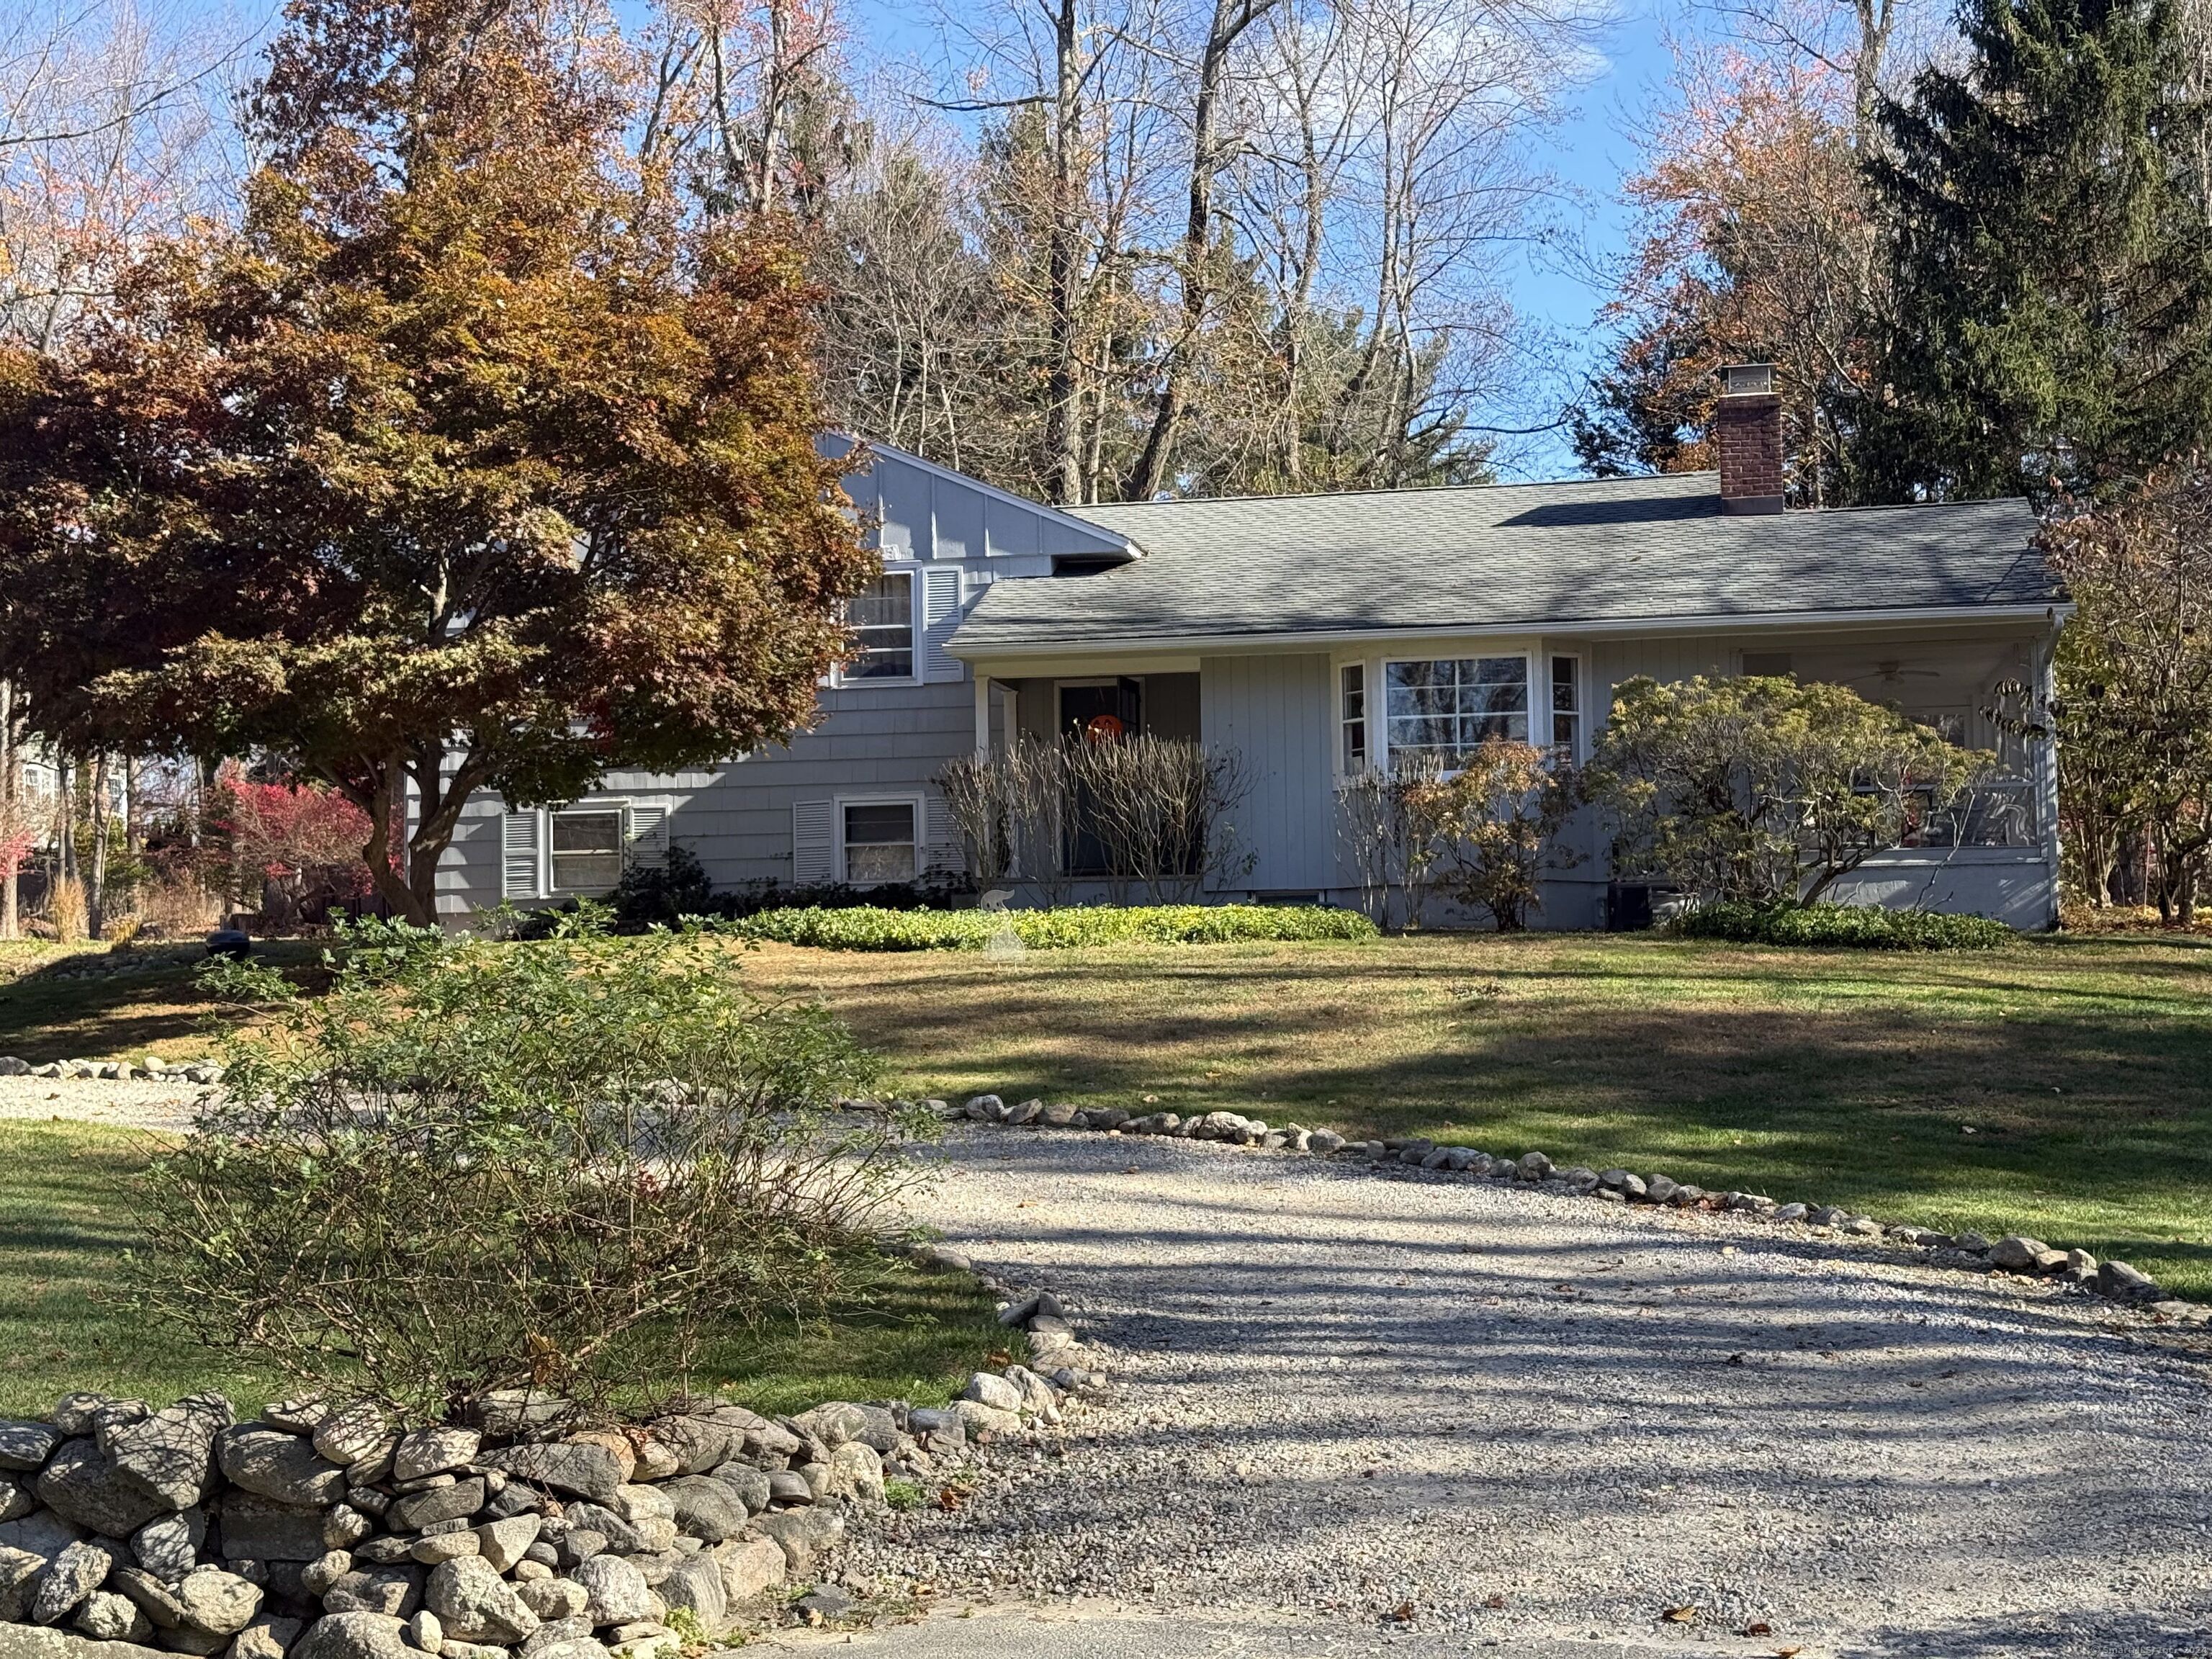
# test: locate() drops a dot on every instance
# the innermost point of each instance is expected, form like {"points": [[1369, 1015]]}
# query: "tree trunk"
{"points": [[12, 884], [1063, 418], [1230, 19], [95, 893]]}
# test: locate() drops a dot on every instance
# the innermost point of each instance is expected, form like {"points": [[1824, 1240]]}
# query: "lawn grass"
{"points": [[2082, 1067], [65, 1224]]}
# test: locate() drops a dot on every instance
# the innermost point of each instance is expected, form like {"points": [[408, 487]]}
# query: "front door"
{"points": [[1096, 713]]}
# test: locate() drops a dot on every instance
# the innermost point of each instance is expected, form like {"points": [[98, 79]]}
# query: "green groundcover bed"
{"points": [[863, 928], [1860, 926]]}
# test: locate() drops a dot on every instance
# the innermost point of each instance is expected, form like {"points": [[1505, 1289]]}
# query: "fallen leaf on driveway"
{"points": [[1679, 1615], [1758, 1627], [1401, 1614], [1786, 1653], [1497, 1600]]}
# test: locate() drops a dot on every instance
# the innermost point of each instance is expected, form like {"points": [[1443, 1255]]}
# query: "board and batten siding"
{"points": [[1274, 712]]}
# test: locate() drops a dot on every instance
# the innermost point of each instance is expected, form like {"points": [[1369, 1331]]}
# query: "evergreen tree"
{"points": [[2052, 294]]}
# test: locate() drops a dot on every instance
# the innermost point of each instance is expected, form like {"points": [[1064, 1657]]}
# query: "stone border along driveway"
{"points": [[2118, 1282]]}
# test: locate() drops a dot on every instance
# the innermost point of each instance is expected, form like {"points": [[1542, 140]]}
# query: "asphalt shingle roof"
{"points": [[1601, 551]]}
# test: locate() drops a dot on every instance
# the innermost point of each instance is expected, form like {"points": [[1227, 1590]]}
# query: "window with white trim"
{"points": [[880, 841], [1566, 707], [1352, 715], [1447, 707], [587, 849], [882, 619]]}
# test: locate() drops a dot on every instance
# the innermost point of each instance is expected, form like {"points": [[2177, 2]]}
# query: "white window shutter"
{"points": [[812, 822], [942, 852], [940, 615], [521, 834], [649, 835]]}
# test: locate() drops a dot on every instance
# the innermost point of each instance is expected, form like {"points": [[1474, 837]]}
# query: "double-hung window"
{"points": [[880, 842], [1566, 708], [1352, 715], [587, 849], [1446, 708], [881, 617]]}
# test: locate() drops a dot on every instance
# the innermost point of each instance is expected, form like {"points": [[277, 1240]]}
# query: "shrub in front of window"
{"points": [[675, 888], [469, 1166], [1499, 819], [1762, 790], [1391, 824]]}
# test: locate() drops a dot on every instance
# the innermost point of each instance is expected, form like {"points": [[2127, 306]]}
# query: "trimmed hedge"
{"points": [[1860, 926], [863, 928]]}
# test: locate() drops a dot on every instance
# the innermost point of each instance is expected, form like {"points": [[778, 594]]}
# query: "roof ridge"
{"points": [[1381, 489]]}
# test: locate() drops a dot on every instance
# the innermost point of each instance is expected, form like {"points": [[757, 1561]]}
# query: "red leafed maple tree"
{"points": [[285, 831], [470, 459]]}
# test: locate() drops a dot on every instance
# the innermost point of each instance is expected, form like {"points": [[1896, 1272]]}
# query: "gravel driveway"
{"points": [[160, 1106], [1404, 1408]]}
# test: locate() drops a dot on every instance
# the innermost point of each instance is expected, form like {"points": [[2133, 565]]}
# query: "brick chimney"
{"points": [[1748, 432]]}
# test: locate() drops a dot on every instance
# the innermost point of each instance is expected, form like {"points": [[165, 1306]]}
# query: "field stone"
{"points": [[636, 1502], [268, 1637], [273, 1464], [81, 1484], [750, 1484], [789, 1486], [221, 1603], [155, 1599], [418, 1510], [655, 1462], [392, 1592], [982, 1422], [319, 1574], [168, 1545], [583, 1467], [107, 1617], [433, 1451], [41, 1532], [749, 1566], [257, 1528], [501, 1543], [698, 1445], [358, 1433], [383, 1550], [354, 1636], [802, 1535], [856, 1471], [984, 1389], [696, 1583], [425, 1630], [618, 1592], [168, 1454], [71, 1576], [623, 1537], [452, 1649], [446, 1546], [654, 1566], [569, 1639], [475, 1604], [553, 1599], [19, 1582], [581, 1544], [16, 1498], [708, 1508], [27, 1445], [345, 1526], [185, 1639]]}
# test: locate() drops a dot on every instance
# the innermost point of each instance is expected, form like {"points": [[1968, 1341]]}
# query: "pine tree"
{"points": [[2052, 293]]}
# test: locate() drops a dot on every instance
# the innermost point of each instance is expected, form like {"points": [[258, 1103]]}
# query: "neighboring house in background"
{"points": [[1320, 634]]}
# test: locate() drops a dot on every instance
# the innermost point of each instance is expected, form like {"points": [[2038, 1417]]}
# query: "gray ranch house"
{"points": [[1317, 635]]}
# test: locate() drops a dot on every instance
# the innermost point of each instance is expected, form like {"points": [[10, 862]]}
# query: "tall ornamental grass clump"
{"points": [[469, 1165]]}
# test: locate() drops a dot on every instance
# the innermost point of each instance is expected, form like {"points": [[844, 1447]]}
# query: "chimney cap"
{"points": [[1746, 380]]}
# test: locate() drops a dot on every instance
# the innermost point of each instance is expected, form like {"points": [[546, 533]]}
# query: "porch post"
{"points": [[983, 715]]}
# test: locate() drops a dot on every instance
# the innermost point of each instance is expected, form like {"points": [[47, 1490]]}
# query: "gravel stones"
{"points": [[81, 1484], [475, 1604], [278, 1466], [585, 1468], [618, 1592]]}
